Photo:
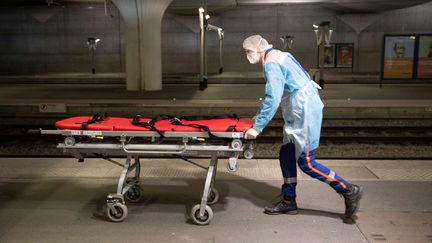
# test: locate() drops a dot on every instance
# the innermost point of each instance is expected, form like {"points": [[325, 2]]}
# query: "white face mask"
{"points": [[253, 57]]}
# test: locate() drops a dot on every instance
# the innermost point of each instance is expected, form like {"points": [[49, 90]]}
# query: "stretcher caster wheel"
{"points": [[69, 141], [251, 145], [117, 212], [133, 181], [248, 154], [134, 194], [236, 144], [232, 167], [213, 197], [201, 220]]}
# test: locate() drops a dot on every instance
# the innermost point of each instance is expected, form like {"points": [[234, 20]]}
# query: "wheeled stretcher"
{"points": [[134, 137]]}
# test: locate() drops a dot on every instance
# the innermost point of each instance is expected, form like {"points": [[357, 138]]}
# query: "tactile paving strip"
{"points": [[404, 174], [172, 168]]}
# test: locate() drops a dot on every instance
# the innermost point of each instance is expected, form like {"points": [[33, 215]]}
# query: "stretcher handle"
{"points": [[153, 152]]}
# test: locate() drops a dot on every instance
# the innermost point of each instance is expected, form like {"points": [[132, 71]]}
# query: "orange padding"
{"points": [[125, 124]]}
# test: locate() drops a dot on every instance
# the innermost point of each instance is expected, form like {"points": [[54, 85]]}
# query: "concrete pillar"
{"points": [[143, 19]]}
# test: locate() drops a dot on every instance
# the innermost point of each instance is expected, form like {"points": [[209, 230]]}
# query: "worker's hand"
{"points": [[252, 133]]}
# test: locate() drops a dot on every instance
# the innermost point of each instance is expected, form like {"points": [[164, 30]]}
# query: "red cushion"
{"points": [[243, 125], [128, 126], [125, 124], [75, 123], [214, 125]]}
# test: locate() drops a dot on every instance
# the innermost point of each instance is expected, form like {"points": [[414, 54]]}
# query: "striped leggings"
{"points": [[309, 166]]}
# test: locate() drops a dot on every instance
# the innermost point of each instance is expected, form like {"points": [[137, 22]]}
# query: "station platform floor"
{"points": [[60, 200], [341, 100], [24, 104], [354, 94]]}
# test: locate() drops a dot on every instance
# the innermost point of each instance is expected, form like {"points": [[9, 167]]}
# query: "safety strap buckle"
{"points": [[175, 121]]}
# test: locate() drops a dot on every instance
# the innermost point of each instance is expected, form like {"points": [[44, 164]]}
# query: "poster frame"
{"points": [[334, 56], [383, 56], [335, 48], [417, 56], [352, 54]]}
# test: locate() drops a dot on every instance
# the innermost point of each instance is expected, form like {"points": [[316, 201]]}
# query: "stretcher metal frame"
{"points": [[128, 188]]}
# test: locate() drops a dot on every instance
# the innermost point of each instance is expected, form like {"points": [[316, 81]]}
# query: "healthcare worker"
{"points": [[288, 85]]}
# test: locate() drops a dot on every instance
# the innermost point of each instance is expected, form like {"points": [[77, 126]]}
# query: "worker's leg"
{"points": [[289, 170], [351, 193], [309, 166]]}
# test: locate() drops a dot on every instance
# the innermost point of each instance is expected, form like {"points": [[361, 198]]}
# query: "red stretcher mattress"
{"points": [[125, 124]]}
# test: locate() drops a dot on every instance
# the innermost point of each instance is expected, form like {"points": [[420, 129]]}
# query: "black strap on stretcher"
{"points": [[196, 118], [178, 121], [151, 124], [203, 127], [98, 117], [101, 116]]}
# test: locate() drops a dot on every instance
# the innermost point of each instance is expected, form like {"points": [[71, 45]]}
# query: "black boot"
{"points": [[352, 198], [288, 206]]}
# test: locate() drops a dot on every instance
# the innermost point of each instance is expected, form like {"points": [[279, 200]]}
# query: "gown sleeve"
{"points": [[275, 81]]}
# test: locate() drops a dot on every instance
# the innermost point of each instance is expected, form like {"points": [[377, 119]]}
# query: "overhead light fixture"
{"points": [[92, 43], [287, 41], [207, 16], [315, 26]]}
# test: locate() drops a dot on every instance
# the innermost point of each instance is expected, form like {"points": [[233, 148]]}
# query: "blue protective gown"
{"points": [[289, 85]]}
